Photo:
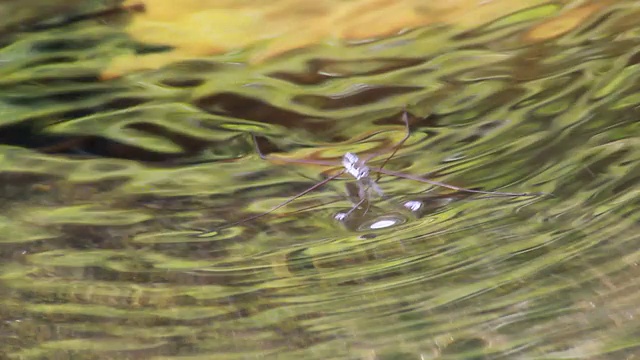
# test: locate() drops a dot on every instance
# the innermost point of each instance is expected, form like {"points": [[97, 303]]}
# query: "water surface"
{"points": [[118, 192]]}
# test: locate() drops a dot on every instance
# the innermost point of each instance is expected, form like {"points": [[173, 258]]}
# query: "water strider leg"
{"points": [[452, 187], [294, 161], [366, 191], [321, 183], [405, 119], [396, 147], [356, 206]]}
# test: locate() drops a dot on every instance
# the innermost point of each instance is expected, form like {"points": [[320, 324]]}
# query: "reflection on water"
{"points": [[115, 194]]}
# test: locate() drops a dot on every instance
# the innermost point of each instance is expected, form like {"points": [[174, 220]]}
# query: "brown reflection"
{"points": [[260, 111]]}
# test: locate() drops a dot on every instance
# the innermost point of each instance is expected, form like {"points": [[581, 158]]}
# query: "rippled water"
{"points": [[120, 197]]}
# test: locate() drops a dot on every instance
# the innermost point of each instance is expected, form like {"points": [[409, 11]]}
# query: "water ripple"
{"points": [[123, 199]]}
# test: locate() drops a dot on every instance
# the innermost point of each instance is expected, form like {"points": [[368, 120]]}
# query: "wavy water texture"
{"points": [[123, 199]]}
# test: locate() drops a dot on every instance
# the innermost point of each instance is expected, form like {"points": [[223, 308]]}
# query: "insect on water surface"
{"points": [[358, 169]]}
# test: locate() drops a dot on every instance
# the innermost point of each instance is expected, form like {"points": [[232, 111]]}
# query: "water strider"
{"points": [[358, 169]]}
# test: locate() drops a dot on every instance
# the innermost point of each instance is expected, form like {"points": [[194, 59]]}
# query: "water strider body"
{"points": [[361, 172]]}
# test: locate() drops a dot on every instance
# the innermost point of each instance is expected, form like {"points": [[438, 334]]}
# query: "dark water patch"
{"points": [[319, 71], [110, 13]]}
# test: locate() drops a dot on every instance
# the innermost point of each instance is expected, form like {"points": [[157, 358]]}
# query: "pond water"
{"points": [[129, 196]]}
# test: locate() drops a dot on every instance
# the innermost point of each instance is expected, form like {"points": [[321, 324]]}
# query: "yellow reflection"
{"points": [[268, 28]]}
